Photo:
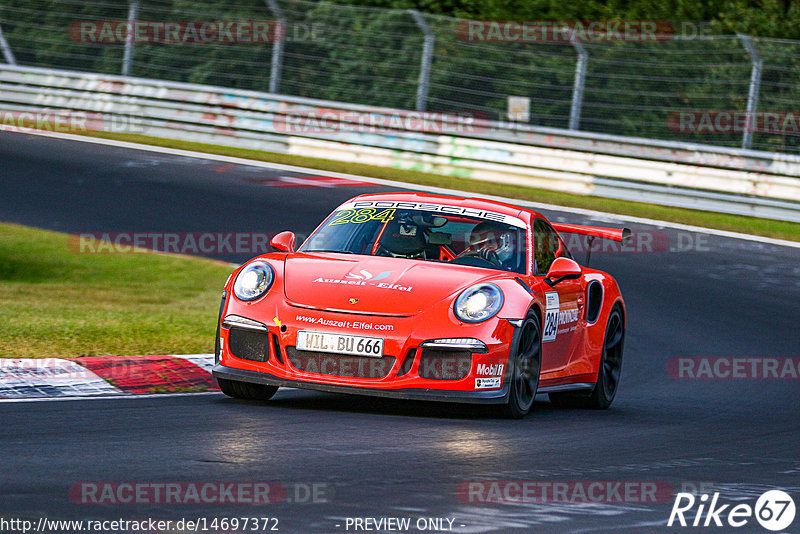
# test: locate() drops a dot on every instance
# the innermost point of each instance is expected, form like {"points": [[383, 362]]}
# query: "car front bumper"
{"points": [[494, 396]]}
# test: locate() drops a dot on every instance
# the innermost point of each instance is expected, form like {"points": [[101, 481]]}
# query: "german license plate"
{"points": [[340, 343]]}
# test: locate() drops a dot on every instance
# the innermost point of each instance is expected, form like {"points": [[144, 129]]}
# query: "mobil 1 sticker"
{"points": [[550, 316]]}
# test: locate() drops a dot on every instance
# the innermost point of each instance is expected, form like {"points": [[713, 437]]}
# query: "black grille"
{"points": [[248, 345], [276, 346], [445, 364], [325, 363], [407, 363]]}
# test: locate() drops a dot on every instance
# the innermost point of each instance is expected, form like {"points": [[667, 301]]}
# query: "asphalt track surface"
{"points": [[718, 298]]}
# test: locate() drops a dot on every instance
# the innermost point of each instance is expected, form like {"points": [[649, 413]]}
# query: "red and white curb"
{"points": [[22, 378]]}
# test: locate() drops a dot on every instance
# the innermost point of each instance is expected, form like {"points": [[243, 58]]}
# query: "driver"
{"points": [[495, 243]]}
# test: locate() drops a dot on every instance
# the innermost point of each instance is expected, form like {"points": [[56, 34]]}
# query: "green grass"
{"points": [[722, 221], [58, 303]]}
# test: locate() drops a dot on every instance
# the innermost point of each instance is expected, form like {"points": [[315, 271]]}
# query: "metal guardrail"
{"points": [[725, 180], [658, 79]]}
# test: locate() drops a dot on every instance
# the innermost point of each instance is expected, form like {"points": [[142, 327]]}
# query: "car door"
{"points": [[560, 334]]}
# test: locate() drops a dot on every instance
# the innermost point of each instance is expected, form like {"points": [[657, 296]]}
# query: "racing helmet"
{"points": [[491, 238], [403, 238]]}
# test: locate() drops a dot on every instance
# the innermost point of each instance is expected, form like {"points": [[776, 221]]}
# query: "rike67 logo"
{"points": [[774, 510]]}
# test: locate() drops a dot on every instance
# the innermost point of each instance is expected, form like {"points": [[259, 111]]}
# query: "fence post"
{"points": [[7, 53], [277, 47], [580, 78], [425, 62], [130, 39], [752, 94]]}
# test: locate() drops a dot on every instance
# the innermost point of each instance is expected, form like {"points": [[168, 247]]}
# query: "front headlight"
{"points": [[253, 281], [478, 303]]}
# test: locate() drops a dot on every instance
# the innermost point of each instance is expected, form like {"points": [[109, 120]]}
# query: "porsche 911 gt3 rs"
{"points": [[420, 296]]}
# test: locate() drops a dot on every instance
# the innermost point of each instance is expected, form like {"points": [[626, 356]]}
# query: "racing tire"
{"points": [[608, 375], [246, 390], [526, 369]]}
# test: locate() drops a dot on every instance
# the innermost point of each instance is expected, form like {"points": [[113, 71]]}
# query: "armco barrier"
{"points": [[680, 174]]}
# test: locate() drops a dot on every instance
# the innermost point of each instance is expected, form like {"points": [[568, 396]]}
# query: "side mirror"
{"points": [[283, 242], [562, 269]]}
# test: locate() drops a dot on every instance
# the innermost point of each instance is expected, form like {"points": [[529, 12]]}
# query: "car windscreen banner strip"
{"points": [[442, 209]]}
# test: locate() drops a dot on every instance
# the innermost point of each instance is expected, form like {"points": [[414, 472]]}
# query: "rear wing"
{"points": [[594, 231]]}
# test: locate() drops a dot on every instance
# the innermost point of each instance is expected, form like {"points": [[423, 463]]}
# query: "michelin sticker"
{"points": [[550, 317]]}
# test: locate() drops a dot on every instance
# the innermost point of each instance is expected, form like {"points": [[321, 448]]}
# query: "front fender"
{"points": [[519, 299]]}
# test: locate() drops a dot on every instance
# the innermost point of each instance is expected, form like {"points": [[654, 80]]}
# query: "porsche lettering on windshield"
{"points": [[437, 208]]}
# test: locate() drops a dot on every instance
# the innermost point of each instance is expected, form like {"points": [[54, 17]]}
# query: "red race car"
{"points": [[419, 296]]}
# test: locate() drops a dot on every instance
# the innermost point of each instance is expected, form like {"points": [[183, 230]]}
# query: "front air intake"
{"points": [[445, 364], [326, 363], [249, 345]]}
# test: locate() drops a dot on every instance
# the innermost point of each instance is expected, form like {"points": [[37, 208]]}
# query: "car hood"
{"points": [[373, 285]]}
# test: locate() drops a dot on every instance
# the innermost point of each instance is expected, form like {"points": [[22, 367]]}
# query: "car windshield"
{"points": [[424, 235]]}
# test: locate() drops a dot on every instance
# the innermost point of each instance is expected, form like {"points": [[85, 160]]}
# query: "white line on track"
{"points": [[111, 397], [404, 185], [124, 396]]}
